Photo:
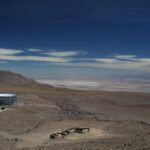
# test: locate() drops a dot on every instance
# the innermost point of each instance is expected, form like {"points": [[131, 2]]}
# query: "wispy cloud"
{"points": [[123, 62], [4, 51], [105, 60], [127, 57], [136, 66], [58, 53], [64, 53], [35, 58], [11, 54], [34, 50], [74, 58]]}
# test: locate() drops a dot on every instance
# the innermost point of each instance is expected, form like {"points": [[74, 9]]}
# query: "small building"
{"points": [[7, 98]]}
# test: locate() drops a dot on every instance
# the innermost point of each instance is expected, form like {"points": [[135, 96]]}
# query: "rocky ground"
{"points": [[117, 120]]}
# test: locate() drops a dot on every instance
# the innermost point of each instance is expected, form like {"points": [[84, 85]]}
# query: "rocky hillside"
{"points": [[10, 78]]}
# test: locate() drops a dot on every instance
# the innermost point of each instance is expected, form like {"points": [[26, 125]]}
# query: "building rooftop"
{"points": [[7, 94]]}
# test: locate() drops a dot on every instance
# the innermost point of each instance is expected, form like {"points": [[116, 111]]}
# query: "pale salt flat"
{"points": [[99, 85]]}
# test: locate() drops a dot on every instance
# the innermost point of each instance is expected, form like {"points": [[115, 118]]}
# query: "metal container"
{"points": [[7, 98]]}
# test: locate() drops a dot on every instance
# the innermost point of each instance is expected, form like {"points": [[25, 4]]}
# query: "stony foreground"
{"points": [[118, 120]]}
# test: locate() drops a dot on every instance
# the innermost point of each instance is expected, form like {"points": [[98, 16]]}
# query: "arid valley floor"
{"points": [[117, 120]]}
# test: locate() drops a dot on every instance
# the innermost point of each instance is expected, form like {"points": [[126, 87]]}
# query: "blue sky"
{"points": [[75, 37]]}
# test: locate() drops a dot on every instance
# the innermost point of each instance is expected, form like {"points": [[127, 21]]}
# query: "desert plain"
{"points": [[116, 120]]}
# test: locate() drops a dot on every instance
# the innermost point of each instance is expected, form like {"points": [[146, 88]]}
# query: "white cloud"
{"points": [[35, 50], [35, 58], [100, 60], [58, 53], [67, 58], [126, 57], [63, 53], [10, 54], [140, 64], [146, 60], [137, 66], [4, 51], [106, 60]]}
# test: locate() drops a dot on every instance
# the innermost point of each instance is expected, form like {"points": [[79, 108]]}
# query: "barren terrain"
{"points": [[117, 120]]}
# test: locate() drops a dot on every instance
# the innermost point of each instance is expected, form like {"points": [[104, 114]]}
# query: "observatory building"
{"points": [[7, 99]]}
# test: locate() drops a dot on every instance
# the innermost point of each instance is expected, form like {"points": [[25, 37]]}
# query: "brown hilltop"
{"points": [[10, 78], [10, 81]]}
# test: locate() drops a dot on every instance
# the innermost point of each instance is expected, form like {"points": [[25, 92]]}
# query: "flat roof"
{"points": [[7, 94]]}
